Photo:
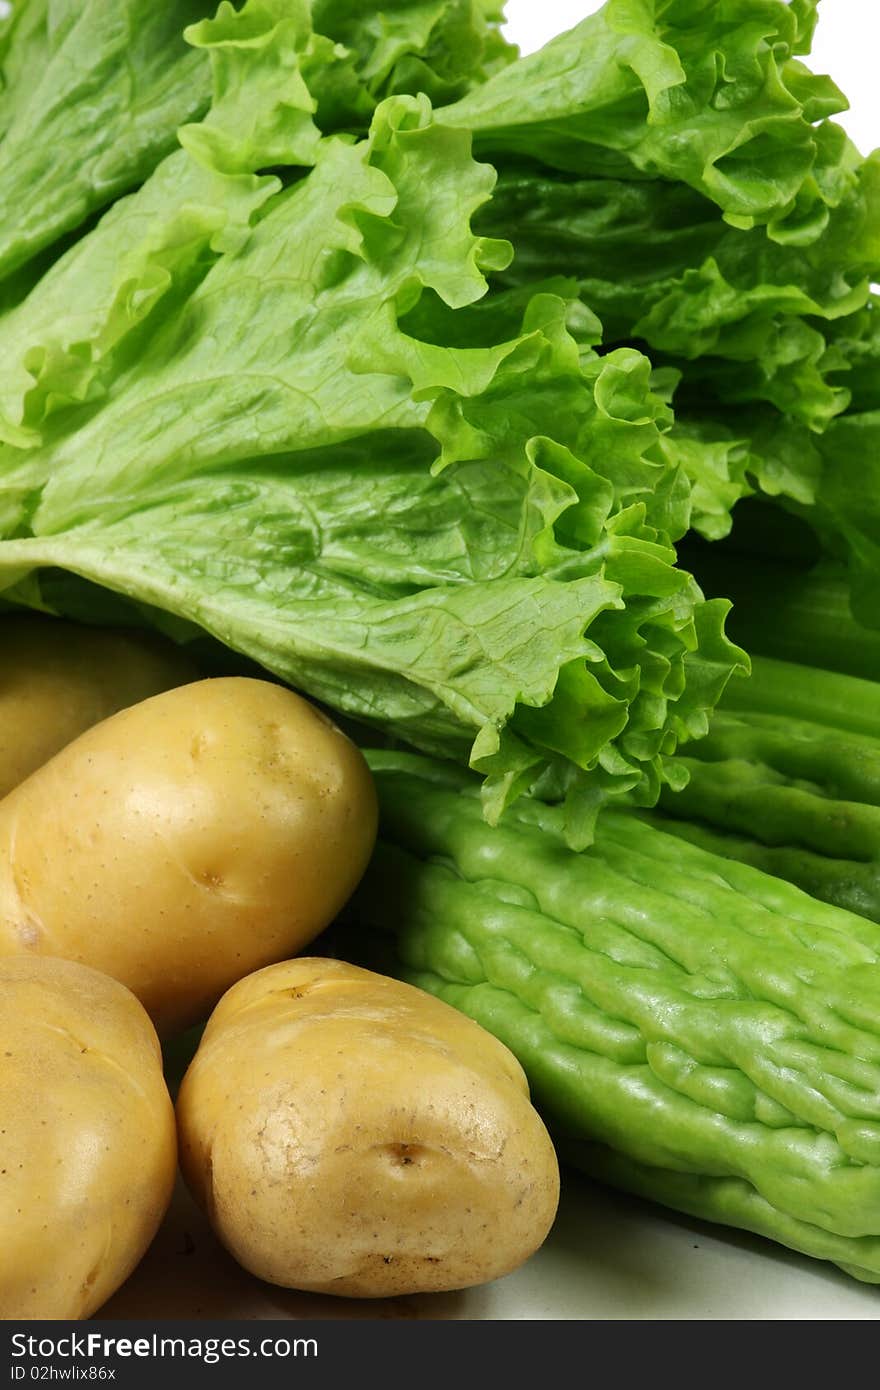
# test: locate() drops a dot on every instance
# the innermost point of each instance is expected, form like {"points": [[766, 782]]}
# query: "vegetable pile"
{"points": [[524, 413]]}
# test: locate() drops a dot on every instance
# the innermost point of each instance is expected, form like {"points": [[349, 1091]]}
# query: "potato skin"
{"points": [[58, 679], [186, 841], [350, 1134], [88, 1148]]}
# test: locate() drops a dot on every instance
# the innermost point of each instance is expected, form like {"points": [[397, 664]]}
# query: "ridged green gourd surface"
{"points": [[693, 1030]]}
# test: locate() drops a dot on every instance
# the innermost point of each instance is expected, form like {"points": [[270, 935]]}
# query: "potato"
{"points": [[186, 841], [59, 679], [350, 1134], [88, 1149]]}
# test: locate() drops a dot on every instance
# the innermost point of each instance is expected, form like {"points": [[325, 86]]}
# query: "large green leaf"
{"points": [[93, 96], [706, 92], [451, 524], [64, 343]]}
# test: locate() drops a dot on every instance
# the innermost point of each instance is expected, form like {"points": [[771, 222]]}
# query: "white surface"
{"points": [[846, 47], [609, 1257]]}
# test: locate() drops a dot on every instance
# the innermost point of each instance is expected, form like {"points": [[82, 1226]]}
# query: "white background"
{"points": [[847, 47]]}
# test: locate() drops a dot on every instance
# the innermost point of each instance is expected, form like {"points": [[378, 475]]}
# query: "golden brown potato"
{"points": [[59, 679], [350, 1134], [186, 841], [88, 1149]]}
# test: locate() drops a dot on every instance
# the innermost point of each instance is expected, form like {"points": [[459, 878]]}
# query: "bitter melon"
{"points": [[693, 1029]]}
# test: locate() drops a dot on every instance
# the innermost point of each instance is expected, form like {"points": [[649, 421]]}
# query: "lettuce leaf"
{"points": [[857, 341], [737, 318], [742, 269], [705, 93], [454, 525], [441, 48], [827, 481], [92, 94], [62, 345], [92, 98], [61, 348], [24, 47], [848, 504]]}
